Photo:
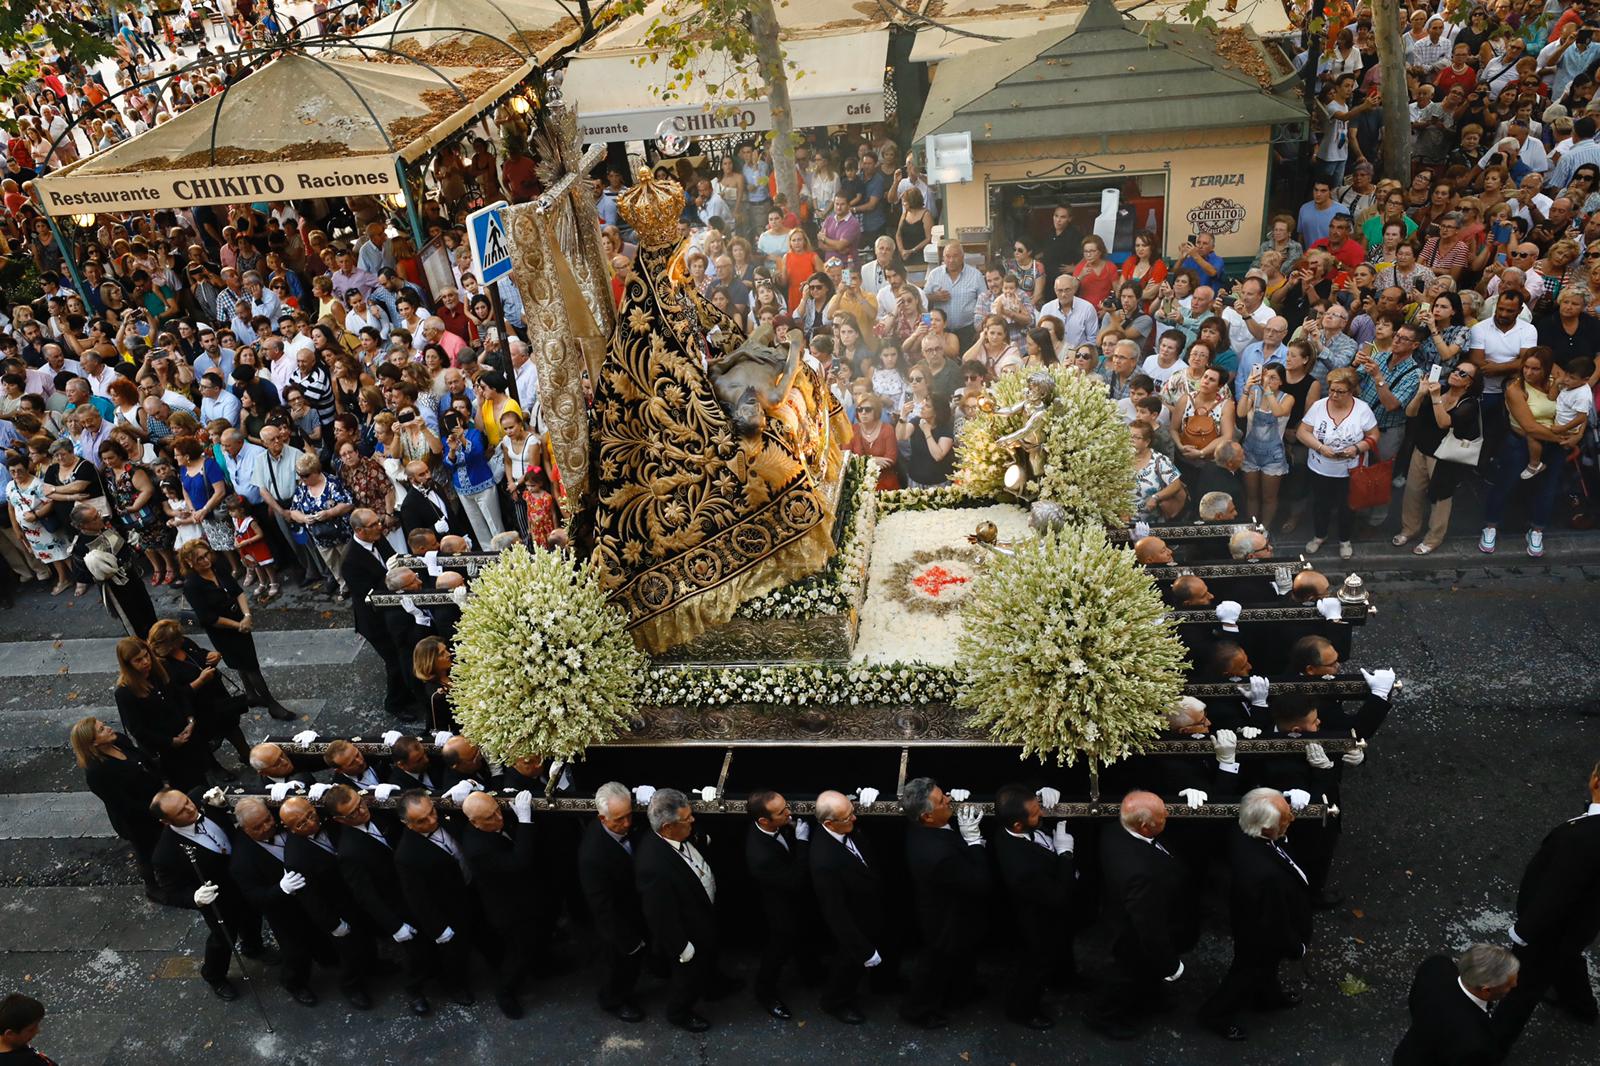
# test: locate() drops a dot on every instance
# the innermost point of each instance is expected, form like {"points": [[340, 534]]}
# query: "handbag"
{"points": [[1371, 484], [1452, 449]]}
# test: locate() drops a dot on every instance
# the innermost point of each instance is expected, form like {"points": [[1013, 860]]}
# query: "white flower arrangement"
{"points": [[895, 684], [543, 664], [1088, 455], [1067, 650], [936, 498]]}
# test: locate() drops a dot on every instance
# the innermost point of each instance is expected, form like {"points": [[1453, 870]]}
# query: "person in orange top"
{"points": [[798, 263]]}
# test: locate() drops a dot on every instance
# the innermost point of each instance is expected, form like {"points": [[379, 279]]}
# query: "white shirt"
{"points": [[1482, 1004], [698, 864], [1239, 335], [207, 834], [1338, 435], [1080, 324], [1158, 373], [1501, 347]]}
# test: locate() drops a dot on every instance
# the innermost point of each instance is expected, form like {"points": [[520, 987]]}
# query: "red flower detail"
{"points": [[936, 579]]}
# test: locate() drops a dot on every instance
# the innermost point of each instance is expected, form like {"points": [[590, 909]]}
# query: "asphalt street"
{"points": [[1488, 748]]}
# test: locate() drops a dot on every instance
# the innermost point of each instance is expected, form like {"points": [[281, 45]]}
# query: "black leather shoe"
{"points": [[508, 1005], [280, 712], [304, 996], [777, 1009], [627, 1012], [358, 998], [224, 990], [1326, 901], [848, 1015], [692, 1023], [1039, 1021], [421, 1007]]}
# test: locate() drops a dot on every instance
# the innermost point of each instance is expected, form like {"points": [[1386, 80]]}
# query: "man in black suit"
{"points": [[311, 854], [365, 565], [433, 877], [424, 508], [777, 852], [1149, 912], [1037, 870], [279, 775], [506, 877], [849, 890], [1451, 1001], [191, 863], [678, 892], [1270, 905], [1316, 657], [464, 761], [605, 870], [350, 766], [1558, 917], [1226, 661], [366, 865], [949, 869], [412, 767], [257, 866]]}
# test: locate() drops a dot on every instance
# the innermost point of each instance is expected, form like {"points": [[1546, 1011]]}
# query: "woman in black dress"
{"points": [[223, 609], [125, 779], [155, 713], [216, 710], [430, 664]]}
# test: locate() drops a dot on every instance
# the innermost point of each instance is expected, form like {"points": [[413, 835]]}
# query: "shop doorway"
{"points": [[1024, 208]]}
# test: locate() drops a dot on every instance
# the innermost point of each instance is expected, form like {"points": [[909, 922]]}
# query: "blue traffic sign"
{"points": [[491, 248]]}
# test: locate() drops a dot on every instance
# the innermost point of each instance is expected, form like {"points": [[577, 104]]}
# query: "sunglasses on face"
{"points": [[918, 380]]}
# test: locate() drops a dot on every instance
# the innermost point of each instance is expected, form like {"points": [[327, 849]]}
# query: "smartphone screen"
{"points": [[927, 320], [1500, 258]]}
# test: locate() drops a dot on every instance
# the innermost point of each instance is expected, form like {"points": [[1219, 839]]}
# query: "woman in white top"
{"points": [[1337, 431], [824, 179]]}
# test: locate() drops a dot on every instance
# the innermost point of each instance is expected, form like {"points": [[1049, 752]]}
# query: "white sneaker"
{"points": [[1531, 472], [1535, 542], [1314, 545], [1346, 549], [1486, 540]]}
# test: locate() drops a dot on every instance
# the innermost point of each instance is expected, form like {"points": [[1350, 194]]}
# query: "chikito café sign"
{"points": [[741, 117], [76, 192]]}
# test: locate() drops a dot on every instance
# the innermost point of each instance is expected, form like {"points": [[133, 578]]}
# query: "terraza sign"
{"points": [[69, 193]]}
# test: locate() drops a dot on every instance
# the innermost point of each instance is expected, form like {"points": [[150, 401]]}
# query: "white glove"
{"points": [[1317, 757], [642, 793], [305, 736], [1298, 798], [383, 792], [867, 796], [283, 788], [708, 794], [291, 882], [343, 929], [442, 526], [205, 895], [967, 819], [459, 595], [1194, 797], [391, 736], [1226, 745], [522, 805], [215, 797], [441, 736], [1379, 682], [1049, 798], [404, 933], [1176, 973], [458, 792], [1259, 690], [1228, 612], [1249, 732], [802, 830], [318, 791], [445, 937], [959, 795], [1330, 608], [876, 960], [1063, 839], [687, 954], [431, 560], [1354, 757], [1141, 530]]}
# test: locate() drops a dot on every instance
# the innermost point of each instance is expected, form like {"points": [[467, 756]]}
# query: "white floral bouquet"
{"points": [[1067, 650], [932, 498], [543, 664], [800, 685], [1088, 465]]}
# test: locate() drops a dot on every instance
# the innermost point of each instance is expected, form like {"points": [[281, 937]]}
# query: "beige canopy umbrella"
{"points": [[536, 28]]}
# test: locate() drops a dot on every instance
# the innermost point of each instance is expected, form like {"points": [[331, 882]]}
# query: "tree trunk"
{"points": [[769, 60], [1396, 101]]}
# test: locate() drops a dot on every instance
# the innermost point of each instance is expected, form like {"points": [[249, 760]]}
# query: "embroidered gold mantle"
{"points": [[691, 521]]}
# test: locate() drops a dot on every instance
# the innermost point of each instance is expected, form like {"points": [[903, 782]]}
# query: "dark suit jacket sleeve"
{"points": [[852, 940], [1050, 886], [419, 890], [779, 872], [614, 916], [361, 879], [658, 897], [1557, 890], [251, 876], [1148, 916], [964, 872], [174, 877]]}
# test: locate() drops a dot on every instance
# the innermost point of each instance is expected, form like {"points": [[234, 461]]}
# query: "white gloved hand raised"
{"points": [[403, 934], [459, 595], [642, 793], [1062, 839], [215, 797], [967, 819], [383, 792], [1298, 798], [1249, 732], [291, 882], [342, 929], [1176, 973], [687, 954], [1193, 797], [959, 795], [318, 791], [305, 736], [1354, 757], [445, 937], [206, 895], [458, 792], [1318, 757], [1379, 682], [802, 830], [522, 806], [1259, 690], [1330, 608], [441, 736], [391, 736], [867, 796], [1049, 798], [708, 793], [282, 789], [876, 960], [1226, 745], [1228, 612]]}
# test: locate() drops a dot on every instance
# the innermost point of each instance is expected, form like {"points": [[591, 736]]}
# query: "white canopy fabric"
{"points": [[834, 77], [428, 22]]}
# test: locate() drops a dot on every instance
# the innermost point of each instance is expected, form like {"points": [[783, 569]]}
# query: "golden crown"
{"points": [[652, 208]]}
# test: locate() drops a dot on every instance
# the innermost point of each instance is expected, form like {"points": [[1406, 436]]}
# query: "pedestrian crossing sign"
{"points": [[491, 250]]}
